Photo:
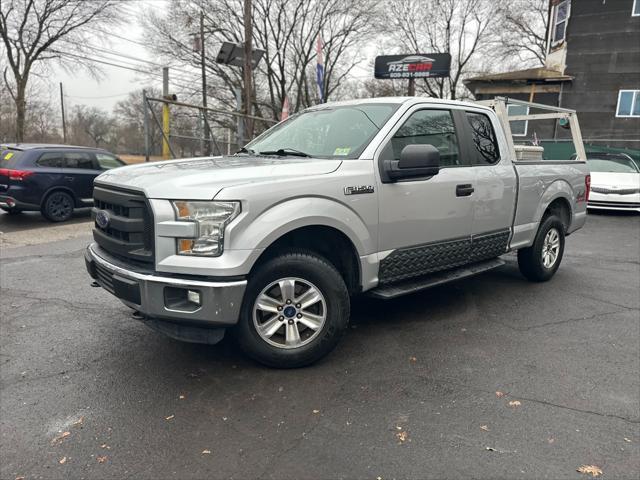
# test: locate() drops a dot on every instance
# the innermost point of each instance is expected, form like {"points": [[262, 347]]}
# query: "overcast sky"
{"points": [[115, 83]]}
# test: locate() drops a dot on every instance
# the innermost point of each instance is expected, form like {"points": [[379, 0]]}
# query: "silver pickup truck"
{"points": [[381, 197]]}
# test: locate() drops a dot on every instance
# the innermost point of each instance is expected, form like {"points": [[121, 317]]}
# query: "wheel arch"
{"points": [[59, 188]]}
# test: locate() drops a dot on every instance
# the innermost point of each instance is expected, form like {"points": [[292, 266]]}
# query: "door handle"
{"points": [[464, 190], [71, 179]]}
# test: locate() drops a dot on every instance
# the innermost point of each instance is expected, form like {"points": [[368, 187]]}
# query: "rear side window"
{"points": [[484, 139], [106, 161], [427, 127], [50, 160], [78, 160]]}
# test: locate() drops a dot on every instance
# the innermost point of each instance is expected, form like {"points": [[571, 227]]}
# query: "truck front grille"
{"points": [[128, 232]]}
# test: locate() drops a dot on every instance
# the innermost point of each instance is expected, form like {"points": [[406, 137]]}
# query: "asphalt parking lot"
{"points": [[492, 377]]}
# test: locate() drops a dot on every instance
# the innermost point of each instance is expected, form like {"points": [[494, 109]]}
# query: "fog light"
{"points": [[11, 203], [194, 297]]}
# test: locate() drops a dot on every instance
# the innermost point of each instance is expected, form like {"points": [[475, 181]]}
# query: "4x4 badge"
{"points": [[358, 189]]}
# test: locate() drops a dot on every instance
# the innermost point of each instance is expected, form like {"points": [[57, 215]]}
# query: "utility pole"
{"points": [[145, 106], [412, 87], [166, 152], [64, 122], [205, 124], [248, 76]]}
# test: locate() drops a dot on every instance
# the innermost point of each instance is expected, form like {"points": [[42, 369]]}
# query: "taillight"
{"points": [[587, 187], [18, 175]]}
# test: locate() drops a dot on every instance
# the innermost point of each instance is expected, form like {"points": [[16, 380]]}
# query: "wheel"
{"points": [[58, 207], [295, 309], [540, 261], [12, 211]]}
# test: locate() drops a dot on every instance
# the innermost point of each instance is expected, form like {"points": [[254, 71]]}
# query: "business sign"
{"points": [[427, 65]]}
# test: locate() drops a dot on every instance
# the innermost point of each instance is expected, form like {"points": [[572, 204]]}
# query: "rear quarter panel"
{"points": [[540, 183]]}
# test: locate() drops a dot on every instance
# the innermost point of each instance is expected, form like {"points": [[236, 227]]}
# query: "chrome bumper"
{"points": [[159, 297]]}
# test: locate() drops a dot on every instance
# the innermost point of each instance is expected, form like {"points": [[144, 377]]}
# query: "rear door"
{"points": [[79, 170], [495, 185]]}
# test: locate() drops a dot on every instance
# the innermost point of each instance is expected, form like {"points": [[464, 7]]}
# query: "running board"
{"points": [[417, 284]]}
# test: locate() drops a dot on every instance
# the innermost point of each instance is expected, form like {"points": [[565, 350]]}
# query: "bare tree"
{"points": [[523, 31], [30, 30], [463, 28], [91, 125]]}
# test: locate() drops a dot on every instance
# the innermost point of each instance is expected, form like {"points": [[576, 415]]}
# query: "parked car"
{"points": [[615, 182], [382, 197], [52, 179]]}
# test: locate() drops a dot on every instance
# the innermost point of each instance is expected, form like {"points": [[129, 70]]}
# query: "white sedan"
{"points": [[615, 182]]}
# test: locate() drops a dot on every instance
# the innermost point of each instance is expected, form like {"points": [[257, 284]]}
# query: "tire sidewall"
{"points": [[548, 223], [46, 206], [314, 270]]}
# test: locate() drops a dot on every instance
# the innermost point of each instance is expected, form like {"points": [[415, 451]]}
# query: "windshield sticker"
{"points": [[342, 151]]}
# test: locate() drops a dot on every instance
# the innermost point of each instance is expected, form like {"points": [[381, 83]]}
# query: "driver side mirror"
{"points": [[415, 161]]}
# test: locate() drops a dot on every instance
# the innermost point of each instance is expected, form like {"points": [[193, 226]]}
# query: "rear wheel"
{"points": [[58, 206], [295, 309], [540, 262]]}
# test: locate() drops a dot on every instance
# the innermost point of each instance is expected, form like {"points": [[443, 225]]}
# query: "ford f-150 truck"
{"points": [[382, 197]]}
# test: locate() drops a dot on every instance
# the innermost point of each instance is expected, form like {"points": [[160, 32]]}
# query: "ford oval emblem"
{"points": [[103, 218]]}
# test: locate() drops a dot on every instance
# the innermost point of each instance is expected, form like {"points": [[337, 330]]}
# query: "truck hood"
{"points": [[203, 178], [612, 179]]}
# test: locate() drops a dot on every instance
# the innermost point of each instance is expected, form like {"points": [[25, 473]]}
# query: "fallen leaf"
{"points": [[413, 359], [206, 452], [78, 422], [514, 403], [62, 461], [60, 437], [592, 470], [169, 417], [500, 394], [402, 436], [627, 440], [316, 411], [104, 445], [101, 458], [484, 427]]}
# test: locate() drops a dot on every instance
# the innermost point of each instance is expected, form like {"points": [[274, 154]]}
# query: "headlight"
{"points": [[211, 218]]}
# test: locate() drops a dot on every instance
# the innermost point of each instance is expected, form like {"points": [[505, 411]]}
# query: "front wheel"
{"points": [[540, 261], [295, 309]]}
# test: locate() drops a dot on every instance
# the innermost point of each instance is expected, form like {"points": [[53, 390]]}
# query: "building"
{"points": [[592, 66]]}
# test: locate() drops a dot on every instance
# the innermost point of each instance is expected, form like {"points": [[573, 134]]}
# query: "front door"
{"points": [[425, 224]]}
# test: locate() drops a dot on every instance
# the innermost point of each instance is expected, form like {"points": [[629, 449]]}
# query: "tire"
{"points": [[12, 211], [539, 262], [58, 206], [319, 318]]}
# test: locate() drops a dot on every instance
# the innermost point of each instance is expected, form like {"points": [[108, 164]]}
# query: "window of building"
{"points": [[628, 103], [518, 127], [484, 139], [427, 127], [635, 12], [560, 19]]}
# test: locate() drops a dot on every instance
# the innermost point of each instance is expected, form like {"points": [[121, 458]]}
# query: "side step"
{"points": [[413, 285]]}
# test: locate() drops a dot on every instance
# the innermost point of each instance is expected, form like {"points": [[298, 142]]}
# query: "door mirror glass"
{"points": [[420, 156]]}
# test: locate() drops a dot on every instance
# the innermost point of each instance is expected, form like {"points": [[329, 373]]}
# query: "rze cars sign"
{"points": [[418, 65]]}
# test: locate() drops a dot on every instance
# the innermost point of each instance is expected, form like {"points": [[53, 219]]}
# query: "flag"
{"points": [[320, 68], [285, 108]]}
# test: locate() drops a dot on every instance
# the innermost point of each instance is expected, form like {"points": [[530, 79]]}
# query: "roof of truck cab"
{"points": [[397, 100]]}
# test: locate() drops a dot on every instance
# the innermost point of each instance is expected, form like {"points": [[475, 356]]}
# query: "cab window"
{"points": [[427, 127], [484, 139]]}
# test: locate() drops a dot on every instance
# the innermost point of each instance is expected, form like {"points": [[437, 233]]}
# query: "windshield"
{"points": [[617, 165], [331, 132]]}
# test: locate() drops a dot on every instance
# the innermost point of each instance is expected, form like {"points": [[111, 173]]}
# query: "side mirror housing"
{"points": [[415, 161]]}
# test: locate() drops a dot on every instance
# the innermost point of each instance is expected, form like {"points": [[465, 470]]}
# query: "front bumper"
{"points": [[605, 201], [159, 297]]}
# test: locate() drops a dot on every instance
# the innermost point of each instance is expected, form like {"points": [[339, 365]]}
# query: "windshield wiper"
{"points": [[245, 150], [286, 151]]}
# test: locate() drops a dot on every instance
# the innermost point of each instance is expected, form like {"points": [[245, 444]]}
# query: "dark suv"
{"points": [[53, 179]]}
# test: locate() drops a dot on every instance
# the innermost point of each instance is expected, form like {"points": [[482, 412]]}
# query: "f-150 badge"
{"points": [[358, 189]]}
